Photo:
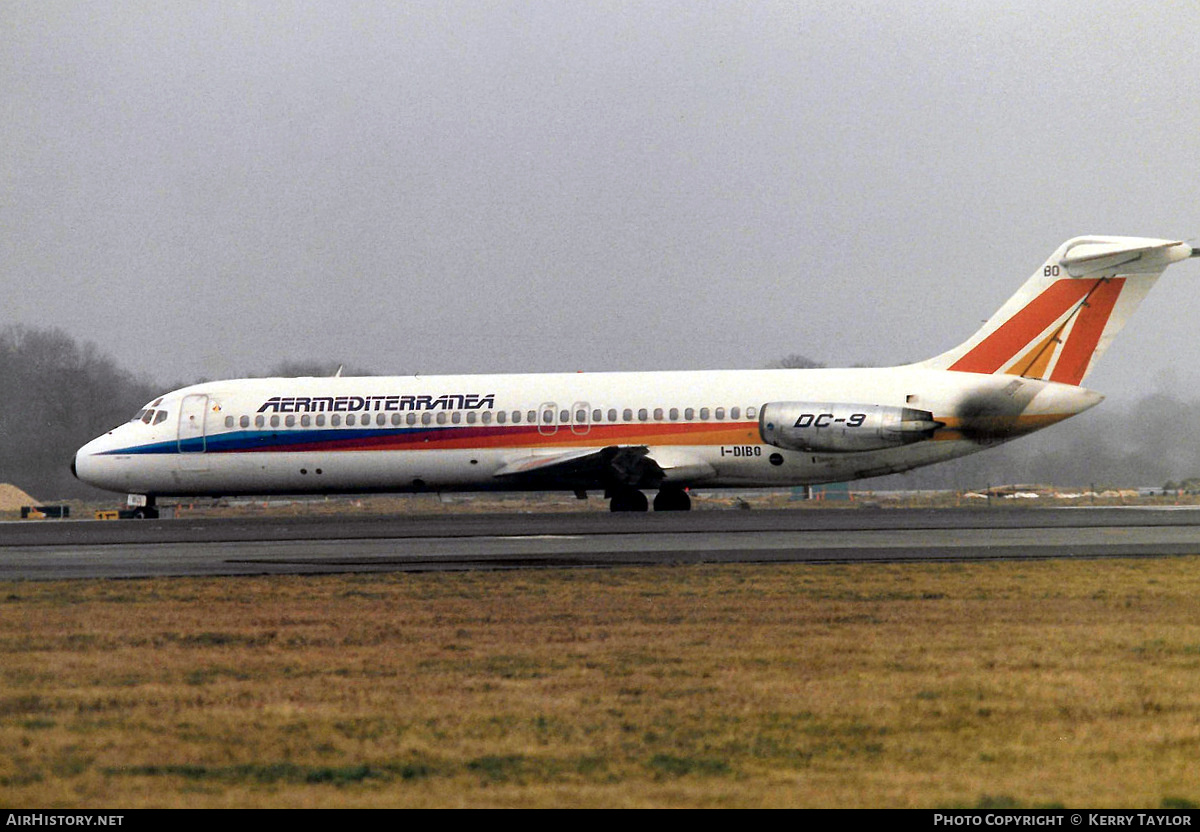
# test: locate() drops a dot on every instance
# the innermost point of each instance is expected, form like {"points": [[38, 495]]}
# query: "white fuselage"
{"points": [[492, 432]]}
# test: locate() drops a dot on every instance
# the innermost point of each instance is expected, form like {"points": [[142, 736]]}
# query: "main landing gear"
{"points": [[667, 499], [628, 499], [672, 499]]}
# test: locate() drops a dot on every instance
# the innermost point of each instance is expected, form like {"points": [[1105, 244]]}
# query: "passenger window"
{"points": [[595, 415], [274, 421], [564, 416], [751, 412], [335, 420], [244, 421], [612, 414], [516, 416], [720, 413], [627, 414], [704, 414], [471, 417], [548, 417], [228, 421], [643, 415], [674, 414], [487, 417], [689, 413], [441, 418], [259, 420], [381, 419], [350, 418], [320, 420], [734, 412], [532, 416], [658, 414], [456, 417], [395, 419], [426, 418], [305, 420], [290, 421], [411, 418], [501, 417]]}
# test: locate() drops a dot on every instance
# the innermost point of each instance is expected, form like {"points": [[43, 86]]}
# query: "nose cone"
{"points": [[93, 466], [81, 463]]}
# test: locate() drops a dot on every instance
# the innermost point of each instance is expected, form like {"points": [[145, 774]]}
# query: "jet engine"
{"points": [[838, 427]]}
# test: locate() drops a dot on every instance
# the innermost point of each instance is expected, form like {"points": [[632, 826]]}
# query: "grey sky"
{"points": [[209, 188]]}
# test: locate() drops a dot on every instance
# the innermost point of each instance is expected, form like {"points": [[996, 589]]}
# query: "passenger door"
{"points": [[193, 413]]}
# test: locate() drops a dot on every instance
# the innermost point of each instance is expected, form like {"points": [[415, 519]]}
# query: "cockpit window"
{"points": [[137, 416], [160, 417]]}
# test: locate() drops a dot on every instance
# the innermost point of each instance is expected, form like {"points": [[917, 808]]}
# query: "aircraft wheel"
{"points": [[672, 499], [631, 500]]}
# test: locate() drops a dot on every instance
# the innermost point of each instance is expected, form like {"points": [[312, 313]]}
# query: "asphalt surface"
{"points": [[70, 549]]}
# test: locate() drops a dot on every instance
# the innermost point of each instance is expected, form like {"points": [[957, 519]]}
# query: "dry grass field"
{"points": [[1065, 683]]}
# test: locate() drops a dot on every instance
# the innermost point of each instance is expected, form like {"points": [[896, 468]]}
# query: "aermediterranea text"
{"points": [[354, 404]]}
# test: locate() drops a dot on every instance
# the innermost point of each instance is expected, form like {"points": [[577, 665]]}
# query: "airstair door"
{"points": [[193, 414]]}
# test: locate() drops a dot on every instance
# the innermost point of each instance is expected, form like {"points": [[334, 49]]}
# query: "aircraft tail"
{"points": [[1062, 320]]}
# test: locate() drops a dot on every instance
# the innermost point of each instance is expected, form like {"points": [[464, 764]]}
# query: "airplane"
{"points": [[629, 432]]}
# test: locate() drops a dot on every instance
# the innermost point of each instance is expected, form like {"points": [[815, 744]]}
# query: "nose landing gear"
{"points": [[148, 510]]}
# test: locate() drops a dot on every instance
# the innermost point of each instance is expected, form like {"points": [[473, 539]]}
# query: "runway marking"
{"points": [[531, 537], [1128, 508]]}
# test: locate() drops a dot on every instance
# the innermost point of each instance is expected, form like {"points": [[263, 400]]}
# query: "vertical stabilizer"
{"points": [[1064, 317]]}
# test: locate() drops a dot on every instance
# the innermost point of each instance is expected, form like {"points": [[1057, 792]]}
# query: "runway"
{"points": [[48, 550]]}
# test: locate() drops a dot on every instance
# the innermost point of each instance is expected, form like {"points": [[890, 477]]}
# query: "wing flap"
{"points": [[628, 465], [542, 464]]}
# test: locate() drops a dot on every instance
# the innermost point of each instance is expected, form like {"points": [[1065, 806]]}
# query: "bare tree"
{"points": [[293, 368], [58, 394], [795, 361]]}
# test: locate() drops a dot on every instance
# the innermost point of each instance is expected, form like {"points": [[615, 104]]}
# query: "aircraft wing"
{"points": [[637, 466]]}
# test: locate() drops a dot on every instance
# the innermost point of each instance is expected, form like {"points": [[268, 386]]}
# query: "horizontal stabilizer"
{"points": [[1089, 258]]}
